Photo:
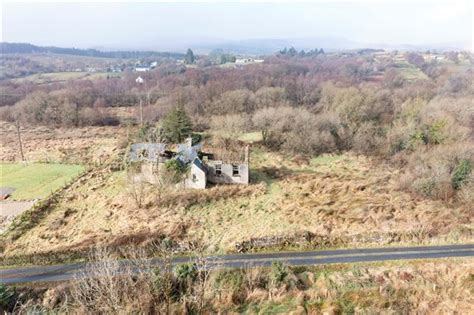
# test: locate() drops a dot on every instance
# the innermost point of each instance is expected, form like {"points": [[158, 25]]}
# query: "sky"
{"points": [[168, 26]]}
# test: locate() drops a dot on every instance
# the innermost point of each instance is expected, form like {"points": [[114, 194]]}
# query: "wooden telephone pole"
{"points": [[17, 124], [141, 110], [140, 82]]}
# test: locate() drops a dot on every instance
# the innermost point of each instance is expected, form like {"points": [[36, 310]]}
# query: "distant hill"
{"points": [[264, 46], [25, 48]]}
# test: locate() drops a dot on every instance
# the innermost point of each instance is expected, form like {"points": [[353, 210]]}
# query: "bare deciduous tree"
{"points": [[136, 188]]}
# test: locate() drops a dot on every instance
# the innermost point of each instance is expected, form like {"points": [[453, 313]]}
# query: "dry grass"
{"points": [[108, 287], [423, 287], [55, 77], [60, 145], [348, 200]]}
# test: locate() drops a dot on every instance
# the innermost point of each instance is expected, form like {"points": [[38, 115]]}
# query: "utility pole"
{"points": [[141, 110], [140, 81], [17, 124]]}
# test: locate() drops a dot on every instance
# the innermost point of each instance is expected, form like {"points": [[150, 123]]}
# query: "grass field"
{"points": [[36, 180], [60, 145], [347, 199], [43, 78], [251, 137], [410, 72]]}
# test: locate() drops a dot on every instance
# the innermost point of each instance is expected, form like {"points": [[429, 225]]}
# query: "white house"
{"points": [[243, 61], [142, 68], [247, 61]]}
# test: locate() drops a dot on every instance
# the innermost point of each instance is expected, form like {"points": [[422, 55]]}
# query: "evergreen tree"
{"points": [[292, 51], [177, 126], [189, 58], [223, 59]]}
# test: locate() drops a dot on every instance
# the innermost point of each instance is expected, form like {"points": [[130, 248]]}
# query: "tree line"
{"points": [[25, 48]]}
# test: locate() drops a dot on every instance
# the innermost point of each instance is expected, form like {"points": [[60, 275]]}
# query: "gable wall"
{"points": [[200, 178]]}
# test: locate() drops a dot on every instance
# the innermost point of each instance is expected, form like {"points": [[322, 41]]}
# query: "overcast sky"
{"points": [[162, 25]]}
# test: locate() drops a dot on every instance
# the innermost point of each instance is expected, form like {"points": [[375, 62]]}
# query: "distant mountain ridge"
{"points": [[256, 47], [25, 48], [270, 46]]}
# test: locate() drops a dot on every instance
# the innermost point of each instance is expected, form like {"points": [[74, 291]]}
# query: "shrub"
{"points": [[233, 125], [298, 130], [227, 278], [164, 284], [269, 96], [176, 166], [461, 174], [466, 195], [432, 179], [415, 59], [7, 296], [185, 272], [398, 137], [458, 83], [438, 172], [368, 138], [144, 133], [434, 134], [279, 271], [233, 102], [196, 138], [108, 287]]}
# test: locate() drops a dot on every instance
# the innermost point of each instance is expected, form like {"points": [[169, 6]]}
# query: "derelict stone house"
{"points": [[224, 166], [217, 170], [230, 171]]}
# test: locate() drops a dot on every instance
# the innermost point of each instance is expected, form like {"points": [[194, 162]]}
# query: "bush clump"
{"points": [[186, 272], [7, 298], [279, 271], [461, 174]]}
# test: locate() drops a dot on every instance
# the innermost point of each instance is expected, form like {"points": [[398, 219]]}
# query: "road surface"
{"points": [[72, 271]]}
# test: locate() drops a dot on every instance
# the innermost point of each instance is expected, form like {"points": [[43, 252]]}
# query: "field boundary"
{"points": [[29, 218]]}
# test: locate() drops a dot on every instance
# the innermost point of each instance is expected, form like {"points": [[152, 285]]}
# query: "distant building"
{"points": [[243, 61], [142, 68], [116, 69], [247, 61], [139, 80]]}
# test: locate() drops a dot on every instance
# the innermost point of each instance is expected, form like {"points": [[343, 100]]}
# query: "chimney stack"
{"points": [[189, 142], [247, 153]]}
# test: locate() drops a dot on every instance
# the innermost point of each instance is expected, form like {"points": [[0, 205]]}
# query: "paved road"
{"points": [[71, 271]]}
